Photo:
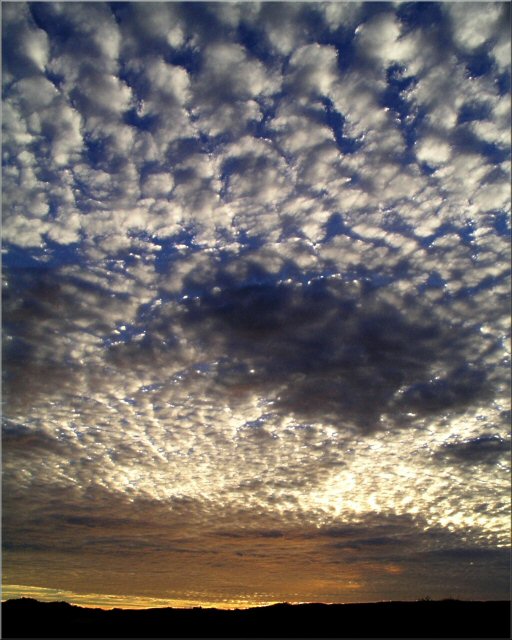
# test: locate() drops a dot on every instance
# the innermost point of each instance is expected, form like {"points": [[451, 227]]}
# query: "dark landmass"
{"points": [[27, 618]]}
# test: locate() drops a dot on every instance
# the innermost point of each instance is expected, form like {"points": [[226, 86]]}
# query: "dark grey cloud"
{"points": [[337, 352], [486, 449], [22, 439]]}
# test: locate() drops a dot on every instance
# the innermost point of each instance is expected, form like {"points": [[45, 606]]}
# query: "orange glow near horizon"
{"points": [[108, 602], [111, 601]]}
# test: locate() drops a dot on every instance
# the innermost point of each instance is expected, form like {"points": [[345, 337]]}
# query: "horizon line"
{"points": [[249, 606]]}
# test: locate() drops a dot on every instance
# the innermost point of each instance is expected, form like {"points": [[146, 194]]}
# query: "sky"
{"points": [[256, 302]]}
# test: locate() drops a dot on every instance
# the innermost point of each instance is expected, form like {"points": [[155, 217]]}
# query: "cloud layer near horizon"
{"points": [[256, 291]]}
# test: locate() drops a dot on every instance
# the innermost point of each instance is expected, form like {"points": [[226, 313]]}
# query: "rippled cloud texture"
{"points": [[256, 301]]}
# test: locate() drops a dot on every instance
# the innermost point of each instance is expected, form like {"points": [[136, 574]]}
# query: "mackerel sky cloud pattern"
{"points": [[256, 313]]}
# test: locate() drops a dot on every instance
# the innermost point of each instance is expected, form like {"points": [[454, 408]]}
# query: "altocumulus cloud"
{"points": [[256, 299]]}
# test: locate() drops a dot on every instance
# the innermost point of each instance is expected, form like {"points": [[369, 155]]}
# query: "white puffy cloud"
{"points": [[379, 39], [340, 13], [313, 69], [434, 151], [26, 46], [158, 184], [226, 89], [284, 26], [476, 23]]}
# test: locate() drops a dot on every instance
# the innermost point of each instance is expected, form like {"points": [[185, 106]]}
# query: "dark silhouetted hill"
{"points": [[27, 618]]}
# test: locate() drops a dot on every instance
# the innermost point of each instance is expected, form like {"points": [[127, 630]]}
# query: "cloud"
{"points": [[323, 349], [256, 271], [486, 449], [466, 33], [30, 56]]}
